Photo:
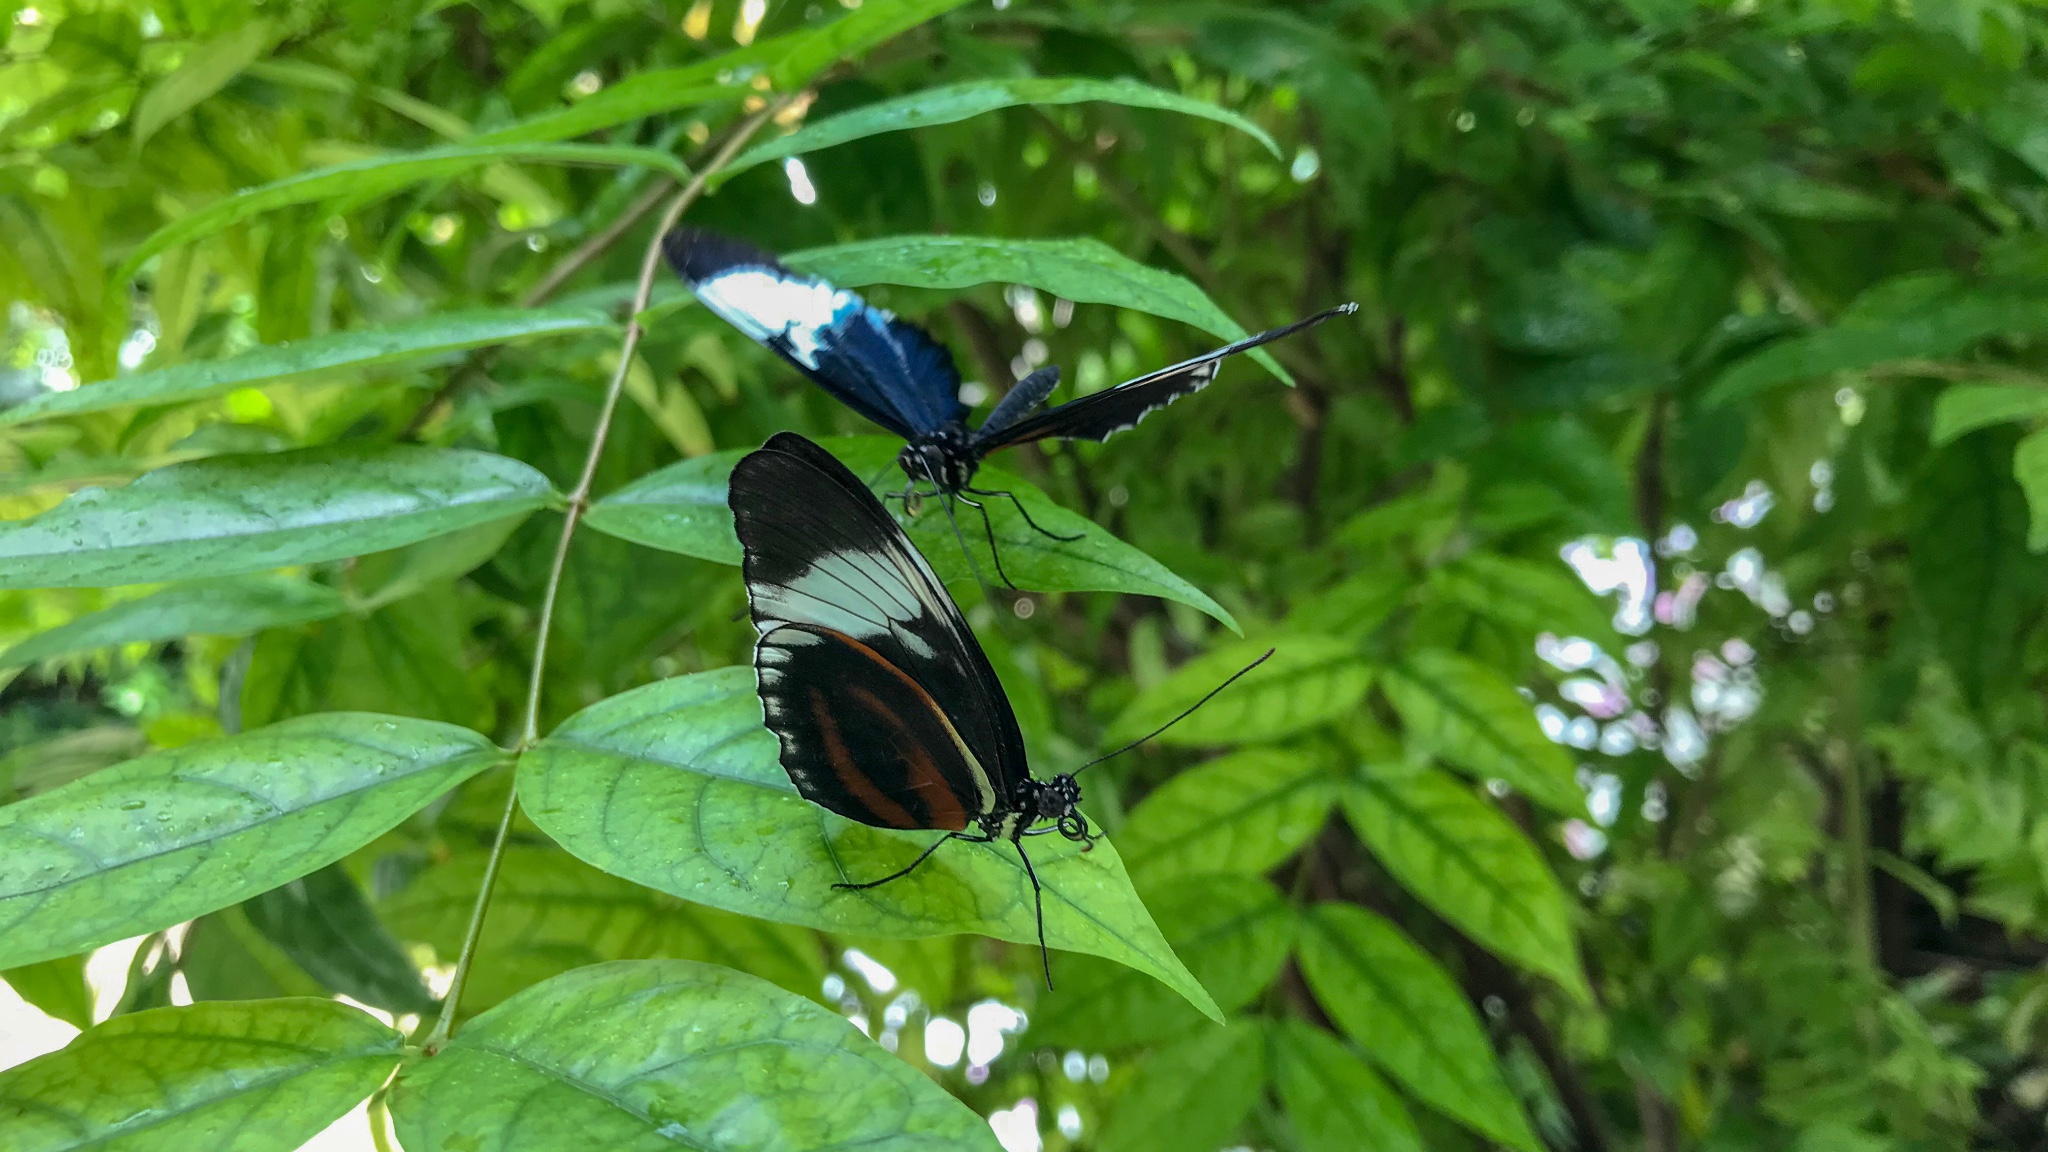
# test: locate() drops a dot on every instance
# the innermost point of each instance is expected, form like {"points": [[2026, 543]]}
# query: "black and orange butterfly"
{"points": [[884, 705], [895, 374]]}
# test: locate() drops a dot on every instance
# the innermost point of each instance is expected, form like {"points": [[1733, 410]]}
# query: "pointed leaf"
{"points": [[671, 1054], [1243, 813], [1085, 271], [1458, 709], [682, 508], [228, 1077], [676, 786], [235, 606], [1309, 680], [356, 350], [143, 845], [1462, 857], [1964, 408], [1192, 1094], [1408, 1015], [550, 912], [1334, 1101], [323, 923], [956, 102], [57, 987], [227, 515]]}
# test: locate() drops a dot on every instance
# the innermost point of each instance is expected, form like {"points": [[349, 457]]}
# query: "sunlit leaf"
{"points": [[1410, 1018], [321, 357], [1309, 680], [1462, 857], [1333, 1100], [206, 69], [2030, 468], [56, 987], [677, 786], [228, 515], [231, 1077], [682, 508], [671, 1053], [232, 606], [163, 838], [1458, 709], [1243, 813], [1964, 408], [1191, 1094]]}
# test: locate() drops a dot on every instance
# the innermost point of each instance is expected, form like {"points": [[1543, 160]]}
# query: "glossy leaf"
{"points": [[1458, 709], [228, 1077], [163, 838], [1243, 813], [1309, 680], [319, 357], [1964, 408], [1234, 933], [228, 515], [1334, 1101], [671, 1053], [233, 606], [682, 508], [361, 180], [676, 786], [1085, 271], [323, 923], [1410, 1018], [1462, 857], [1192, 1094], [550, 913], [956, 102]]}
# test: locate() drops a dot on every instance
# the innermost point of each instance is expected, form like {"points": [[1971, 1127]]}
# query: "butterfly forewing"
{"points": [[878, 692], [889, 370]]}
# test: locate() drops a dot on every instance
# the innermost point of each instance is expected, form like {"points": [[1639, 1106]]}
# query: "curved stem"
{"points": [[579, 499]]}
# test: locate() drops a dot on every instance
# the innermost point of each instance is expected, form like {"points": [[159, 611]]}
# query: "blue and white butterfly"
{"points": [[894, 373]]}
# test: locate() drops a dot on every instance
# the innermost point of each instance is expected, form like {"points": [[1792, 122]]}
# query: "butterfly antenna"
{"points": [[1189, 711]]}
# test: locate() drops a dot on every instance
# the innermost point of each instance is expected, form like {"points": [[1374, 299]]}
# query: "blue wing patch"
{"points": [[889, 370]]}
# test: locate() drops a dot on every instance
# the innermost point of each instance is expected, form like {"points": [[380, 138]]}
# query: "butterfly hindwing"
{"points": [[889, 370], [865, 664]]}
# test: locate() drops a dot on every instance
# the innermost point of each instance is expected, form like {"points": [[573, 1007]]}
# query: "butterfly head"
{"points": [[1058, 800], [943, 458]]}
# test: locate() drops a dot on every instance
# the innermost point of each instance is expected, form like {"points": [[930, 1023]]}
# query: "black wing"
{"points": [[1103, 414], [888, 370], [885, 707]]}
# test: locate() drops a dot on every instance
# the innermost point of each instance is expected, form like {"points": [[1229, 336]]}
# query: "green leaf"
{"points": [[677, 786], [795, 57], [1243, 813], [231, 607], [1529, 597], [1932, 329], [1463, 858], [51, 763], [406, 659], [1192, 1094], [682, 508], [56, 986], [550, 913], [1973, 580], [1964, 408], [207, 69], [1462, 711], [227, 1077], [1310, 680], [356, 350], [224, 957], [671, 1053], [2030, 468], [956, 102], [1234, 932], [1085, 271], [1333, 1100], [227, 515], [1410, 1018], [363, 180], [324, 925], [146, 844]]}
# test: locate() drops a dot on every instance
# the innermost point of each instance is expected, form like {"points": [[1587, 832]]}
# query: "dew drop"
{"points": [[132, 805]]}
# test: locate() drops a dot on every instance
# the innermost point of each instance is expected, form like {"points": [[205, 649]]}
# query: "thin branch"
{"points": [[579, 499], [594, 247]]}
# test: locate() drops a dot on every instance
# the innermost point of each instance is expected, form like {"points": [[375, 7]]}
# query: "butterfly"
{"points": [[894, 373], [883, 705]]}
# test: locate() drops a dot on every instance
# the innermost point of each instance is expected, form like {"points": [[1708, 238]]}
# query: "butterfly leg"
{"points": [[988, 529], [1035, 526], [1038, 901], [921, 858]]}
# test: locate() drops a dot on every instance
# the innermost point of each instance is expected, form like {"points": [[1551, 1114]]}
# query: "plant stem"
{"points": [[579, 499]]}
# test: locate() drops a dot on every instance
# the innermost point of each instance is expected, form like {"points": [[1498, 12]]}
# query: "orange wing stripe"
{"points": [[850, 775], [941, 807]]}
